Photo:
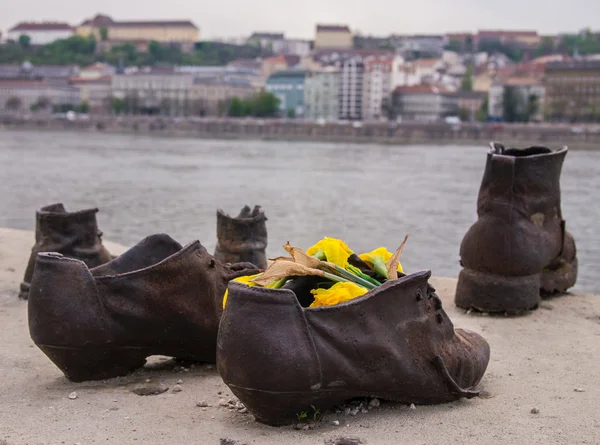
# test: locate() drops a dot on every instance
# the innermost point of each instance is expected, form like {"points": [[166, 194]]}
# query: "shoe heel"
{"points": [[95, 363], [24, 291], [559, 280], [284, 408], [497, 293]]}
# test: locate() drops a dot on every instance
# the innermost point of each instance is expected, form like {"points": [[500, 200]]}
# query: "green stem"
{"points": [[355, 278], [277, 284], [333, 277]]}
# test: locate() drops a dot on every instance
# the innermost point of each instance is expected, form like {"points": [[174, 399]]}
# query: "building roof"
{"points": [[421, 89], [469, 94], [86, 80], [573, 65], [267, 35], [490, 34], [521, 81], [103, 20], [287, 73], [41, 26], [333, 28]]}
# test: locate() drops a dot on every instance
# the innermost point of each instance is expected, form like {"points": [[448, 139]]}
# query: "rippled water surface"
{"points": [[368, 195]]}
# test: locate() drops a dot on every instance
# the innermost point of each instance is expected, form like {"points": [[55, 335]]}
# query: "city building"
{"points": [[419, 45], [572, 90], [351, 88], [333, 37], [528, 96], [322, 94], [377, 79], [211, 96], [28, 94], [40, 33], [415, 72], [423, 103], [265, 39], [154, 91], [273, 64], [225, 73], [288, 87], [295, 47], [96, 92], [525, 39], [469, 102], [104, 28]]}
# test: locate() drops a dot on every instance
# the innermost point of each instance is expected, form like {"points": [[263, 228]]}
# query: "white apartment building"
{"points": [[351, 88], [40, 33]]}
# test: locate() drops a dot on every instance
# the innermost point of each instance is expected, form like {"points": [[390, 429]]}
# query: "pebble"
{"points": [[243, 411], [336, 422], [374, 403], [347, 411], [150, 389], [535, 411], [412, 406], [364, 410], [579, 390], [73, 395], [202, 404], [179, 382], [354, 412], [177, 388], [222, 402], [148, 380]]}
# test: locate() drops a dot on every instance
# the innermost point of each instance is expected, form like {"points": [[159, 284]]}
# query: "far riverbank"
{"points": [[575, 137]]}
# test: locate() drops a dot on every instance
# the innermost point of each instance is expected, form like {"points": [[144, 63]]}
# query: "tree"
{"points": [[482, 113], [103, 33], [84, 107], [13, 103], [454, 45], [43, 103], [512, 105], [264, 104], [24, 41], [464, 114], [237, 107], [291, 113], [467, 80], [532, 107], [118, 105]]}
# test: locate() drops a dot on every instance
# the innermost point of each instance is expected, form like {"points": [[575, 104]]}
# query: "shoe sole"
{"points": [[497, 294], [283, 408], [95, 363]]}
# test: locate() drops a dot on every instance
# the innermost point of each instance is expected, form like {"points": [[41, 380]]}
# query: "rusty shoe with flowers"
{"points": [[284, 350], [158, 298]]}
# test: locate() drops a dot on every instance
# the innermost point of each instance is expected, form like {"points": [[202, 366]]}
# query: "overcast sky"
{"points": [[236, 18]]}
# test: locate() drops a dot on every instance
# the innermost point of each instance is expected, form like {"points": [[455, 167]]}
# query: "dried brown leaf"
{"points": [[301, 257], [281, 269], [392, 264]]}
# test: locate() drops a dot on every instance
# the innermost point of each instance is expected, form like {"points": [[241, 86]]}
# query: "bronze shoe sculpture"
{"points": [[519, 248], [72, 234], [395, 343], [242, 239], [156, 299]]}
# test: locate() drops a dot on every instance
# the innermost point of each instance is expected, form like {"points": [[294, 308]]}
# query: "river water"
{"points": [[367, 195]]}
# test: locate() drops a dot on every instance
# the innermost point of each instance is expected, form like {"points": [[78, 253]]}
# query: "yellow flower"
{"points": [[244, 280], [377, 260], [332, 250], [336, 294]]}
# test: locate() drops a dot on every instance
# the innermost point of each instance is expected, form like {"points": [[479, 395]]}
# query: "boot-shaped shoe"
{"points": [[242, 239], [519, 248], [396, 343], [156, 299], [72, 234]]}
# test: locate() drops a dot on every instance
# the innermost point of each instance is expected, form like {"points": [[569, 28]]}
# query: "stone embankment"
{"points": [[577, 137]]}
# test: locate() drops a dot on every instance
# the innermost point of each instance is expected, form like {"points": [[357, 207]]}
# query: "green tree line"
{"points": [[84, 51]]}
